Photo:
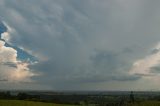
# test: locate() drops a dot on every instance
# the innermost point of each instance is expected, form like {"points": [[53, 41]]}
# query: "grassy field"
{"points": [[146, 103], [30, 103], [27, 103]]}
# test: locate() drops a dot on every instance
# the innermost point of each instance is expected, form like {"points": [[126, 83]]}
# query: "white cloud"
{"points": [[12, 69], [7, 54], [5, 36], [22, 73], [144, 66]]}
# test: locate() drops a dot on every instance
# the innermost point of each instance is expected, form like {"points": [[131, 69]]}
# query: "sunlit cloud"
{"points": [[145, 65], [12, 69]]}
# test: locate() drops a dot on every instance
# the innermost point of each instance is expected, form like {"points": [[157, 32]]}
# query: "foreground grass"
{"points": [[146, 103], [27, 103], [30, 103]]}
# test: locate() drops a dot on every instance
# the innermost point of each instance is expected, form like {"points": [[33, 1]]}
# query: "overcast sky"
{"points": [[80, 44]]}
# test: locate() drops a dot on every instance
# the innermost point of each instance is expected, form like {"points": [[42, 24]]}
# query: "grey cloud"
{"points": [[126, 78], [154, 51], [10, 64], [155, 69], [83, 39], [3, 80]]}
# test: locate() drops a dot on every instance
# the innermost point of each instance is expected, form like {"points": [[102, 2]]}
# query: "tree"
{"points": [[22, 96], [131, 97]]}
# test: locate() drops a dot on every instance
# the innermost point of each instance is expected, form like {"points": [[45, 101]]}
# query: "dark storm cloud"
{"points": [[83, 41]]}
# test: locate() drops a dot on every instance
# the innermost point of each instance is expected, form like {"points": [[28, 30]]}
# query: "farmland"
{"points": [[31, 103], [107, 98], [27, 103], [146, 103]]}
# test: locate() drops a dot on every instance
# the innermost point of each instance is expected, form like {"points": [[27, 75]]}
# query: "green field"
{"points": [[30, 103], [27, 103], [146, 103]]}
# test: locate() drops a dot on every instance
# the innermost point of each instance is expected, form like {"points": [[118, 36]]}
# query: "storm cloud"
{"points": [[88, 43]]}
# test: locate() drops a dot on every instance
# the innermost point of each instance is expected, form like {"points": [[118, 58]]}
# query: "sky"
{"points": [[80, 44]]}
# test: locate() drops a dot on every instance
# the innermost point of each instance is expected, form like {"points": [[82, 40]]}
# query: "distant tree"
{"points": [[122, 101], [8, 95], [22, 96], [86, 102], [131, 97]]}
